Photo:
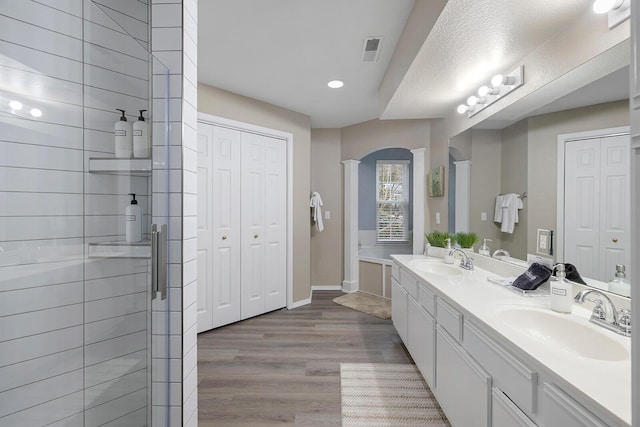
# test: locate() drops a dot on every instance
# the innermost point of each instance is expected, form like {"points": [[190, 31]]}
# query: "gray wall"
{"points": [[367, 185]]}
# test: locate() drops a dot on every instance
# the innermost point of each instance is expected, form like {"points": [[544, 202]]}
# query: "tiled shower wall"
{"points": [[73, 340], [174, 35]]}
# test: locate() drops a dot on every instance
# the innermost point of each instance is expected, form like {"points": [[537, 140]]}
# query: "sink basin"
{"points": [[563, 333], [435, 267]]}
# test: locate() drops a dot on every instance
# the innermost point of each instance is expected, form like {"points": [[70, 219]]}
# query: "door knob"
{"points": [[255, 236], [614, 240], [224, 237]]}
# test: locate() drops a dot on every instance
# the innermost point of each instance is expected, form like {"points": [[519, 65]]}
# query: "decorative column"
{"points": [[463, 194], [419, 180], [351, 270]]}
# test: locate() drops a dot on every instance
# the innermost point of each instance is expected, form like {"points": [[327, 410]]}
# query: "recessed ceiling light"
{"points": [[15, 105], [335, 84], [35, 112]]}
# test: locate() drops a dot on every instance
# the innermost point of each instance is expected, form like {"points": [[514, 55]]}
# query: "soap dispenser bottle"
{"points": [[141, 148], [133, 221], [448, 256], [123, 137], [484, 249], [561, 291], [619, 284]]}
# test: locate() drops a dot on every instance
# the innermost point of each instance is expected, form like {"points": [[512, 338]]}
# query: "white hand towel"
{"points": [[511, 203], [315, 203], [497, 215]]}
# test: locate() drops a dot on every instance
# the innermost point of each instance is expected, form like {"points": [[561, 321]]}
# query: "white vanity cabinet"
{"points": [[479, 377]]}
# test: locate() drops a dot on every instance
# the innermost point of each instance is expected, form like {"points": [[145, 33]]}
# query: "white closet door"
{"points": [[205, 282], [615, 243], [275, 285], [253, 196], [582, 209], [225, 230]]}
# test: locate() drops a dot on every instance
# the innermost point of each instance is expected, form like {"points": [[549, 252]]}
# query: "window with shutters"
{"points": [[392, 200]]}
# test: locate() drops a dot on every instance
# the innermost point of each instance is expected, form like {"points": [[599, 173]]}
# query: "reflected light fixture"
{"points": [[15, 105], [36, 112], [617, 10], [501, 85], [335, 84]]}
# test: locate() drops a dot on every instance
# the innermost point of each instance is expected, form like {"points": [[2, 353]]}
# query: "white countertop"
{"points": [[607, 383]]}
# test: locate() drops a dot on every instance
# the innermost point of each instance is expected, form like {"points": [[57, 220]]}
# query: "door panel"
{"points": [[225, 229], [205, 298]]}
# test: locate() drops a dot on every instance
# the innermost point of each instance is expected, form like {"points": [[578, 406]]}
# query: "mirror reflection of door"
{"points": [[597, 211]]}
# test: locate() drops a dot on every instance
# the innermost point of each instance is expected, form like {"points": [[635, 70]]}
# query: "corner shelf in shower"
{"points": [[120, 249], [116, 166]]}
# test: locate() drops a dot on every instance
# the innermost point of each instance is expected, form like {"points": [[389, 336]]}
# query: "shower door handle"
{"points": [[159, 261]]}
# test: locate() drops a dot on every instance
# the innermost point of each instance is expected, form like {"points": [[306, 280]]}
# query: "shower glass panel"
{"points": [[83, 331]]}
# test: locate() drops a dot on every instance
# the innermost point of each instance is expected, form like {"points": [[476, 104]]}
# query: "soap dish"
{"points": [[507, 283]]}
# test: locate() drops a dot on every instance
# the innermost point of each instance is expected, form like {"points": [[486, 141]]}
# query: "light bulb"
{"points": [[462, 109], [603, 6], [484, 90], [15, 105], [36, 112], [335, 84], [497, 80], [472, 100]]}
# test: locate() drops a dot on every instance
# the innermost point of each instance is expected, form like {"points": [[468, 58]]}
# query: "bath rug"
{"points": [[366, 303], [387, 394]]}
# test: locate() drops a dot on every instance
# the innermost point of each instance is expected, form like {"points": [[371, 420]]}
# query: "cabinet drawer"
{"points": [[395, 271], [505, 414], [559, 409], [514, 378], [449, 319], [409, 283], [427, 298]]}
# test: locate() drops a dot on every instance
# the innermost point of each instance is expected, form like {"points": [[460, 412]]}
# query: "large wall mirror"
{"points": [[539, 149]]}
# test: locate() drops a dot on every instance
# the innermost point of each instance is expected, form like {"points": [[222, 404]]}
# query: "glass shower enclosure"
{"points": [[84, 314]]}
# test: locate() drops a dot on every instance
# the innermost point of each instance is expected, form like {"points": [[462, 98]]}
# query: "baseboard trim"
{"points": [[300, 303], [350, 287], [326, 288]]}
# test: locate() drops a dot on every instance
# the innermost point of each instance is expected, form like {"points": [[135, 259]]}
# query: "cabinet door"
{"points": [[464, 389], [399, 309], [504, 413], [561, 410], [421, 335]]}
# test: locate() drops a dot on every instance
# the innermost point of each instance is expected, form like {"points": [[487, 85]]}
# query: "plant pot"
{"points": [[435, 251]]}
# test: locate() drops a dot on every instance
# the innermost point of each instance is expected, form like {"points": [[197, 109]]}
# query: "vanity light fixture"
{"points": [[335, 84], [617, 10], [501, 85], [36, 112]]}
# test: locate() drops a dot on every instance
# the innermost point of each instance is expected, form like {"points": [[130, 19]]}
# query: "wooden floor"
{"points": [[283, 368]]}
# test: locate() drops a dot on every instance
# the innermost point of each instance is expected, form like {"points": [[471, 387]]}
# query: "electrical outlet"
{"points": [[327, 215], [437, 217], [483, 216], [544, 242]]}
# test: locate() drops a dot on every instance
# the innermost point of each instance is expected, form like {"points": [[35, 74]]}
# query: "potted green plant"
{"points": [[466, 240], [437, 241]]}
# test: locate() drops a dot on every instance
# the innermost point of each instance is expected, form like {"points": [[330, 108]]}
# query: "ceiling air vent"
{"points": [[371, 49]]}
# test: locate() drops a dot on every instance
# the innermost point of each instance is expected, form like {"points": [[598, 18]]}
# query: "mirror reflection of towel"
{"points": [[531, 279], [511, 203]]}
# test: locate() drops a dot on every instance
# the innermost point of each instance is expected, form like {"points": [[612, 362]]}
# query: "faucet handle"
{"points": [[598, 310], [624, 320]]}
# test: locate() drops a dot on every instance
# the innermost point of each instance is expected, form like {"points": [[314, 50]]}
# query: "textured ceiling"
{"points": [[471, 41], [285, 51]]}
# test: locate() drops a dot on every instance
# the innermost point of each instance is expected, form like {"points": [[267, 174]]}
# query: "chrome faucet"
{"points": [[500, 252], [466, 261], [605, 314]]}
